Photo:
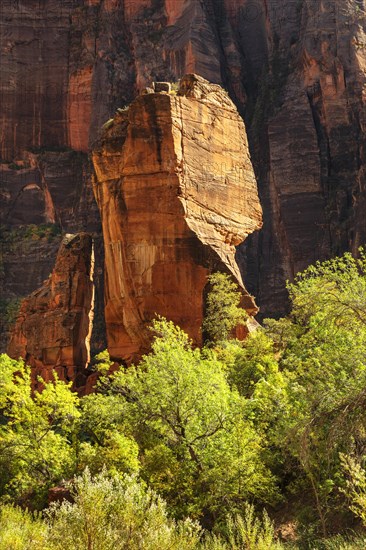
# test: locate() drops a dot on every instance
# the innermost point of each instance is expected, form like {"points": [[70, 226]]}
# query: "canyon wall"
{"points": [[307, 135], [294, 68], [177, 192]]}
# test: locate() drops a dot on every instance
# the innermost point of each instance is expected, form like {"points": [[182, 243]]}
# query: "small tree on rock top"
{"points": [[223, 311]]}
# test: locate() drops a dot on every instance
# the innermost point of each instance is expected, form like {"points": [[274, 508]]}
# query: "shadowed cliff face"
{"points": [[177, 192], [294, 68], [307, 138], [53, 328]]}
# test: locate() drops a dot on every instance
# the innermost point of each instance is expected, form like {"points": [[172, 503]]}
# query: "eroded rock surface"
{"points": [[176, 192], [53, 329]]}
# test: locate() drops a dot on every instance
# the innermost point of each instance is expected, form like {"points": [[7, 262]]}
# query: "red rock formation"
{"points": [[296, 70], [65, 70], [177, 193], [53, 329]]}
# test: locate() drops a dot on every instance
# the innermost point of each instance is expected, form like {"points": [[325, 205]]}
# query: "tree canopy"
{"points": [[214, 434]]}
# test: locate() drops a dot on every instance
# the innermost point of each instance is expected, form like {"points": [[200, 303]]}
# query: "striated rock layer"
{"points": [[176, 192], [53, 329]]}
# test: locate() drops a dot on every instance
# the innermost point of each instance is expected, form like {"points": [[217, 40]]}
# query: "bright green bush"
{"points": [[35, 433], [112, 513], [223, 311], [19, 530], [245, 532]]}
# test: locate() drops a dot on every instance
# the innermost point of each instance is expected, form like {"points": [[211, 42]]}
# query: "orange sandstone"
{"points": [[177, 192]]}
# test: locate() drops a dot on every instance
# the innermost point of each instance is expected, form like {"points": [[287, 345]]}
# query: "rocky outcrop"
{"points": [[53, 328], [48, 187], [43, 196], [177, 193]]}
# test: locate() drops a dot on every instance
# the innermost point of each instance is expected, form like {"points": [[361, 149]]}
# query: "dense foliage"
{"points": [[223, 311], [215, 435]]}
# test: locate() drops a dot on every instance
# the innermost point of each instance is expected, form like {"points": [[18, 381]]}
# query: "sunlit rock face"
{"points": [[176, 192], [53, 328]]}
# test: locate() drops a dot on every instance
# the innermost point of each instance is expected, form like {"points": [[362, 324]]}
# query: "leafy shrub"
{"points": [[117, 513], [223, 312], [245, 532], [19, 530]]}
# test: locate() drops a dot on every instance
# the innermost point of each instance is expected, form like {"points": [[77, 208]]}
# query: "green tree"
{"points": [[252, 360], [102, 362], [103, 440], [196, 448], [334, 291], [223, 311], [321, 349], [35, 432]]}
